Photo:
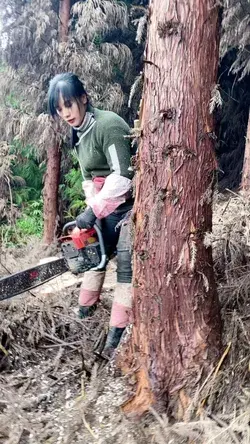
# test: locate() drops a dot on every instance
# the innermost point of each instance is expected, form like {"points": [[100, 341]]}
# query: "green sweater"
{"points": [[102, 148]]}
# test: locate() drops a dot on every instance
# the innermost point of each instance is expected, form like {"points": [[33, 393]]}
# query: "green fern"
{"points": [[72, 196]]}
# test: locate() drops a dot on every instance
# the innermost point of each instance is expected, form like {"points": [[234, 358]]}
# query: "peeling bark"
{"points": [[245, 182], [176, 330], [50, 191]]}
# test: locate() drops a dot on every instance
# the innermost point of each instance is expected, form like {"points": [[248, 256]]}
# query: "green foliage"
{"points": [[71, 191], [118, 74], [12, 101], [29, 224], [26, 167], [26, 179], [98, 40]]}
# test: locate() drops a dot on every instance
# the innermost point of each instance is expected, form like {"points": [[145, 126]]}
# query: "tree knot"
{"points": [[168, 114], [168, 28]]}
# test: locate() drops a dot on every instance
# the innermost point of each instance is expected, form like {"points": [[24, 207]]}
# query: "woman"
{"points": [[104, 157]]}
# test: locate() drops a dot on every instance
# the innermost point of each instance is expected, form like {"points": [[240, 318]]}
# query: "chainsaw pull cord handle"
{"points": [[100, 239]]}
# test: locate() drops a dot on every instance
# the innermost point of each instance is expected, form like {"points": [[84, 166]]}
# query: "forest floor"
{"points": [[55, 391]]}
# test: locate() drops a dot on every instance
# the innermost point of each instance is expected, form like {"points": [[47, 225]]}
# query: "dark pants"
{"points": [[116, 240], [111, 231]]}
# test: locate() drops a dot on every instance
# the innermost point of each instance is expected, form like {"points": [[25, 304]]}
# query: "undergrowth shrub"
{"points": [[30, 223]]}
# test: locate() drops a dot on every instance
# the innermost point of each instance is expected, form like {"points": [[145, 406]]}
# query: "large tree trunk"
{"points": [[245, 181], [64, 15], [50, 191], [176, 330]]}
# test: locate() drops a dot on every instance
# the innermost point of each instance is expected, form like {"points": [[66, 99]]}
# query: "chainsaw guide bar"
{"points": [[33, 277], [82, 250]]}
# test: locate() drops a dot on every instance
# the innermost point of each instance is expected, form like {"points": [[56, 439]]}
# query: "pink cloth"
{"points": [[91, 287], [98, 182], [88, 297], [105, 207], [120, 315], [104, 195]]}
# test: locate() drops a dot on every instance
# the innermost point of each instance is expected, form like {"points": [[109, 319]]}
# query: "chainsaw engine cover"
{"points": [[82, 238], [83, 259]]}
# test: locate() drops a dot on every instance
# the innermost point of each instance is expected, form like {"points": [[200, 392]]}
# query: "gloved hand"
{"points": [[86, 219]]}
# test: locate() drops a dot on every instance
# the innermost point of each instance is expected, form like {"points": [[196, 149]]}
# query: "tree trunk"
{"points": [[64, 16], [245, 181], [50, 191], [176, 327], [51, 179]]}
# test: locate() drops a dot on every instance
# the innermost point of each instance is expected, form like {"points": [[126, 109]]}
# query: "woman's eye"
{"points": [[68, 104], [59, 110]]}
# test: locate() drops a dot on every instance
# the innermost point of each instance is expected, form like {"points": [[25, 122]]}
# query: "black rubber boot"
{"points": [[112, 341], [85, 312]]}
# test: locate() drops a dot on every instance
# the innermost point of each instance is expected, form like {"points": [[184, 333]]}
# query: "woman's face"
{"points": [[71, 111]]}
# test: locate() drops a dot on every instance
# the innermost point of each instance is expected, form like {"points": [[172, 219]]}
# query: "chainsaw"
{"points": [[82, 250]]}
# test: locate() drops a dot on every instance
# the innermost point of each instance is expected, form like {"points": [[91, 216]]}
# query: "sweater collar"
{"points": [[87, 121], [86, 126]]}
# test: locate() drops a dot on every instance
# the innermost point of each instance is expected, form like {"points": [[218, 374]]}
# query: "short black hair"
{"points": [[69, 86]]}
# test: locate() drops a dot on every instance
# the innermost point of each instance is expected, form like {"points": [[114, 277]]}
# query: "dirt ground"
{"points": [[54, 390]]}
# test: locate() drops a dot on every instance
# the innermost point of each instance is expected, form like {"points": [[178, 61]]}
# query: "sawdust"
{"points": [[53, 391]]}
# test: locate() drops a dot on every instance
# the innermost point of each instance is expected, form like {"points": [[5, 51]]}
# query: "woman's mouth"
{"points": [[71, 121]]}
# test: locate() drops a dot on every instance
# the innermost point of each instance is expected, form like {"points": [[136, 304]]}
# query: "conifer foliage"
{"points": [[234, 81]]}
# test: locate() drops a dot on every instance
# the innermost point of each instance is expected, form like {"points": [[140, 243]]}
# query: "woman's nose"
{"points": [[66, 114]]}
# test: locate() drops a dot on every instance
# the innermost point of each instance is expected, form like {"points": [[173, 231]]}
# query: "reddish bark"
{"points": [[50, 191], [51, 179], [64, 15], [245, 181], [176, 330]]}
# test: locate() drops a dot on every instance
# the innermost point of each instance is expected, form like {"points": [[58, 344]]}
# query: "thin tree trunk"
{"points": [[176, 330], [50, 191], [64, 16], [51, 179], [245, 181]]}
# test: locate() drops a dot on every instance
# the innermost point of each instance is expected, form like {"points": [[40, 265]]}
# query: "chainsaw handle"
{"points": [[68, 225], [100, 239], [102, 248]]}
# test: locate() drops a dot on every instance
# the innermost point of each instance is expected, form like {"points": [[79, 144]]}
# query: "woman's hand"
{"points": [[86, 219]]}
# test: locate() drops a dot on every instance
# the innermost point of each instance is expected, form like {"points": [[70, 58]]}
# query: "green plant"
{"points": [[27, 173], [29, 224], [12, 101], [98, 40], [71, 191]]}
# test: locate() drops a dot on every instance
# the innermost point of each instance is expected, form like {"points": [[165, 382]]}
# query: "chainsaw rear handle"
{"points": [[100, 239]]}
